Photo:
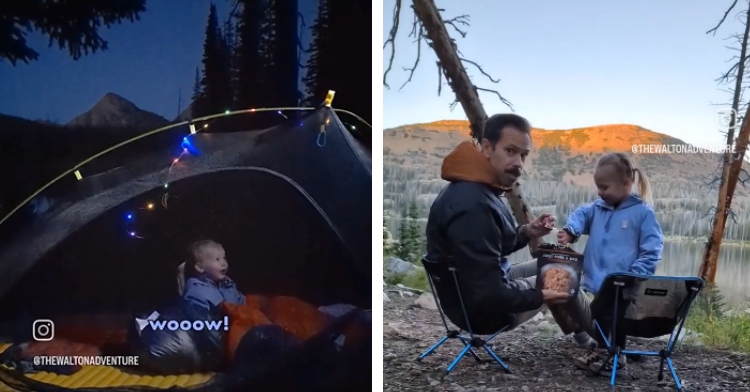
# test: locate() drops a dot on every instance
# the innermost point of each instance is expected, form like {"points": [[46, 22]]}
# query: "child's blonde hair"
{"points": [[627, 170], [193, 256], [181, 278]]}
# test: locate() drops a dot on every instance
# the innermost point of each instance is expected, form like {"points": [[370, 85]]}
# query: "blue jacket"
{"points": [[207, 294], [625, 239]]}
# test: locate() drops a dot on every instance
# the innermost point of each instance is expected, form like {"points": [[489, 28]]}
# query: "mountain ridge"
{"points": [[578, 139], [557, 155], [115, 111]]}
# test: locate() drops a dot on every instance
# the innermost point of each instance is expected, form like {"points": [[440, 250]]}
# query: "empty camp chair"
{"points": [[443, 278], [654, 306]]}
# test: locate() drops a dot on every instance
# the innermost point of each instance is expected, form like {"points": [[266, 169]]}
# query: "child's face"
{"points": [[612, 188], [213, 262]]}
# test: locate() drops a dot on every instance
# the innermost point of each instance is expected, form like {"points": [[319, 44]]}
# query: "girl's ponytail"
{"points": [[644, 187]]}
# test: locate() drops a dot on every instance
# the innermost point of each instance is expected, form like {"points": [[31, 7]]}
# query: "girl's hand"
{"points": [[564, 238]]}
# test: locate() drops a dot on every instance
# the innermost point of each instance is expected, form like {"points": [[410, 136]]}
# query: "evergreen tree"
{"points": [[341, 58], [197, 90], [410, 241], [74, 25], [283, 50], [401, 248], [225, 94], [230, 41], [318, 47], [387, 249], [413, 233], [251, 56], [211, 100]]}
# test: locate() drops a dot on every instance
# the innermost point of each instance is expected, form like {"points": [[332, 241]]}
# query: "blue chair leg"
{"points": [[471, 350], [613, 380], [433, 348], [458, 358], [677, 381], [497, 359]]}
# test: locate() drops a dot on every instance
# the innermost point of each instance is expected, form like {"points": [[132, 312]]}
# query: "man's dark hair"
{"points": [[493, 128]]}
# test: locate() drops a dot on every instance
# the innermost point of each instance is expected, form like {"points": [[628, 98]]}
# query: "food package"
{"points": [[559, 268]]}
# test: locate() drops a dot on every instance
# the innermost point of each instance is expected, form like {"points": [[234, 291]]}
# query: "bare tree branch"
{"points": [[417, 31], [419, 36], [481, 70], [391, 40], [461, 20], [723, 18]]}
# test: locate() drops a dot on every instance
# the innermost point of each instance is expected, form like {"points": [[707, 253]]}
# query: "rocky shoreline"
{"points": [[541, 359]]}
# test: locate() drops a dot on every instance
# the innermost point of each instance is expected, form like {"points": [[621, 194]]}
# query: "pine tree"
{"points": [[283, 50], [413, 233], [230, 48], [232, 40], [401, 249], [319, 47], [211, 100], [338, 37], [387, 249], [197, 91], [74, 25], [251, 58], [225, 92]]}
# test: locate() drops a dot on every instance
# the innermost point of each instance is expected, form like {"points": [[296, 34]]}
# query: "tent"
{"points": [[291, 205]]}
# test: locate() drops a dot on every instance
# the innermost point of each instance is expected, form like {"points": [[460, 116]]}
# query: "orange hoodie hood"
{"points": [[467, 163]]}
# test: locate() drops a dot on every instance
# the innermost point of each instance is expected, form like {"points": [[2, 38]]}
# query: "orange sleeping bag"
{"points": [[294, 315], [241, 319]]}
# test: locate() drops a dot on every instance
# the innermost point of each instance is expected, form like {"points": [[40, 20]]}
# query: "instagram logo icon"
{"points": [[43, 330]]}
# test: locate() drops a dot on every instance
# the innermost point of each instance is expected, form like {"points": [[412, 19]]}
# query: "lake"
{"points": [[682, 258]]}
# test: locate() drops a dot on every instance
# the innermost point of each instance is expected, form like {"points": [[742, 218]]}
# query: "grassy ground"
{"points": [[709, 317], [717, 326]]}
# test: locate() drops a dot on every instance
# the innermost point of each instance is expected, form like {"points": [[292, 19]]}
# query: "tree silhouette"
{"points": [[318, 48], [197, 89], [216, 85], [71, 25], [251, 55], [230, 57], [284, 51], [340, 56]]}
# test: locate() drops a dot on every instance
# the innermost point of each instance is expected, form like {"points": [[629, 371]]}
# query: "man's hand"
{"points": [[564, 238], [541, 226], [555, 297]]}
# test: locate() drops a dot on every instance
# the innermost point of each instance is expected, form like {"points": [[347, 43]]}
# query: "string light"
{"points": [[187, 148], [191, 124]]}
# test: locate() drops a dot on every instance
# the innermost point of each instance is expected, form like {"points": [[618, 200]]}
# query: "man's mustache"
{"points": [[515, 172]]}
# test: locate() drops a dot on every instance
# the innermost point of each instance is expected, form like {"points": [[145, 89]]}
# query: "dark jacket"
{"points": [[470, 223]]}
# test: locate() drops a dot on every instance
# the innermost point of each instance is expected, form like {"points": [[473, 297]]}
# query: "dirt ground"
{"points": [[540, 361]]}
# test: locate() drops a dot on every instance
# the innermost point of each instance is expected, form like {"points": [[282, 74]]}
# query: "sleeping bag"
{"points": [[264, 343], [166, 347], [271, 359]]}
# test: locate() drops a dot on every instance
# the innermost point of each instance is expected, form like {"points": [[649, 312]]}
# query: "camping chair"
{"points": [[655, 306], [443, 279]]}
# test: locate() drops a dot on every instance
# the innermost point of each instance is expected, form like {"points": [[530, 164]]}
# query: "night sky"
{"points": [[148, 62]]}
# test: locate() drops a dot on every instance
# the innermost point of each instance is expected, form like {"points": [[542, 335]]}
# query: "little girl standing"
{"points": [[623, 236]]}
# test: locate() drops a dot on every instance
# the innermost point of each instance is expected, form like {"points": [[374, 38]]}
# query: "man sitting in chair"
{"points": [[469, 223]]}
